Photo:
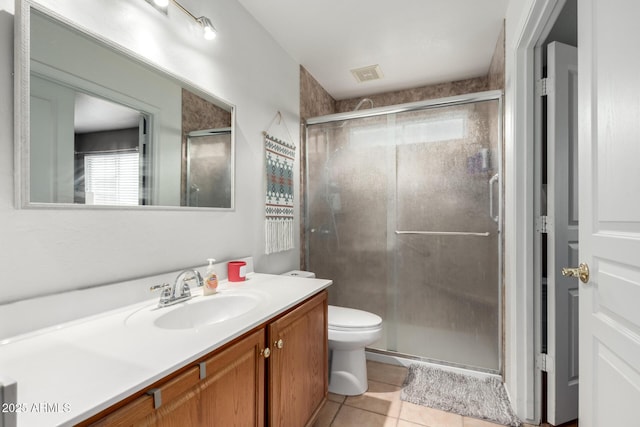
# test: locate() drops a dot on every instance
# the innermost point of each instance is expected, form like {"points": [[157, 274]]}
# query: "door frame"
{"points": [[531, 25]]}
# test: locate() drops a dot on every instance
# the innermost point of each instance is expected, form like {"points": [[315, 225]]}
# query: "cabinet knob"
{"points": [[265, 353], [279, 343]]}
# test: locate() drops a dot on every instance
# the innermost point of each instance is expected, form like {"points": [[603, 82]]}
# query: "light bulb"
{"points": [[209, 33], [208, 29], [161, 3]]}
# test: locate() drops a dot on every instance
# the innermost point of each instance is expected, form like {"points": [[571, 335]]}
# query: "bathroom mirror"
{"points": [[99, 127]]}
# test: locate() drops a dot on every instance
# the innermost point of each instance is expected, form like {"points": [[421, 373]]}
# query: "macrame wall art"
{"points": [[280, 158]]}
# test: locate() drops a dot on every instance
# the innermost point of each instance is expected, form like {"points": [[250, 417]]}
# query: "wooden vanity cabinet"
{"points": [[231, 392], [298, 366], [228, 387]]}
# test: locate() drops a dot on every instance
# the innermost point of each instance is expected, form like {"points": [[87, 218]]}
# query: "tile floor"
{"points": [[381, 406]]}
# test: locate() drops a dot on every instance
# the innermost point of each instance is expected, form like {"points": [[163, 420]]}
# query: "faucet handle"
{"points": [[195, 274], [162, 287], [186, 290], [166, 294]]}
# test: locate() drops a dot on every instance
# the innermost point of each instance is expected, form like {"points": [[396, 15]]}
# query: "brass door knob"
{"points": [[582, 272], [279, 343], [265, 353]]}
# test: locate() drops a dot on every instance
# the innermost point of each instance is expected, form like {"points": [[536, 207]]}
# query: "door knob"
{"points": [[265, 353], [278, 344], [581, 272]]}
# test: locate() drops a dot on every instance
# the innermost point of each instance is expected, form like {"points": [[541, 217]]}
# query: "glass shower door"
{"points": [[446, 284], [401, 214]]}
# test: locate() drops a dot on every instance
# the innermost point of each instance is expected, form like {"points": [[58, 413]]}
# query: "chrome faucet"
{"points": [[168, 292]]}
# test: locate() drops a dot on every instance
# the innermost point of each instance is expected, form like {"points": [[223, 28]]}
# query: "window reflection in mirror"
{"points": [[105, 129]]}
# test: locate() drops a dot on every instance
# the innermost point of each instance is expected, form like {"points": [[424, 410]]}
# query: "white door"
{"points": [[609, 135], [562, 236], [52, 142]]}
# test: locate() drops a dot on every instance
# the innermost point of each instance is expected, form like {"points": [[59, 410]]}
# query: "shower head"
{"points": [[362, 102]]}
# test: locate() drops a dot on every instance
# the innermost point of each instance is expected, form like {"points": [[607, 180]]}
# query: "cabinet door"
{"points": [[233, 392], [298, 367], [174, 398], [230, 394]]}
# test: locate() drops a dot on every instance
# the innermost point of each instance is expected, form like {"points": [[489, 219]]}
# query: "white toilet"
{"points": [[350, 331]]}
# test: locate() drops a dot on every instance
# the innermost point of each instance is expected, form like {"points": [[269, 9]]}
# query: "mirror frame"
{"points": [[22, 108]]}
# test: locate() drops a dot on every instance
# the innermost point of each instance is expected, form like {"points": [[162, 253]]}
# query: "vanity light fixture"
{"points": [[160, 5], [208, 30], [207, 27], [163, 4]]}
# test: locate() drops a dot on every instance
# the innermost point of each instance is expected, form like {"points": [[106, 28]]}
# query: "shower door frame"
{"points": [[494, 95]]}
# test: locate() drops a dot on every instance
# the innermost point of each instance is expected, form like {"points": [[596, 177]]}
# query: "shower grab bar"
{"points": [[492, 181], [445, 233]]}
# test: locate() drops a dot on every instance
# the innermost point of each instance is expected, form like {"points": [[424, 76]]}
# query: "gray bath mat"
{"points": [[466, 395]]}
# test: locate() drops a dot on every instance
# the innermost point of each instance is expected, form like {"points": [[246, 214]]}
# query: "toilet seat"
{"points": [[351, 319]]}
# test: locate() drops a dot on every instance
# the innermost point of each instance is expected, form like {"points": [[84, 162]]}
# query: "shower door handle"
{"points": [[445, 233], [492, 181]]}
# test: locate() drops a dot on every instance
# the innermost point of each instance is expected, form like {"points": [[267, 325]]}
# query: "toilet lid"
{"points": [[350, 318]]}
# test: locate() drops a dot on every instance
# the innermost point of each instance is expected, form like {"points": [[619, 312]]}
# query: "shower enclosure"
{"points": [[403, 212]]}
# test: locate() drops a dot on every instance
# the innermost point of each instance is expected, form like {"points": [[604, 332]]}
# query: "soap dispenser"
{"points": [[210, 279]]}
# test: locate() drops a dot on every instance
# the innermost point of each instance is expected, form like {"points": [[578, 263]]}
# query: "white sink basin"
{"points": [[206, 311], [196, 313]]}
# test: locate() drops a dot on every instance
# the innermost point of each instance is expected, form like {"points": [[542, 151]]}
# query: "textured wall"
{"points": [[199, 114], [441, 90], [314, 99], [496, 69]]}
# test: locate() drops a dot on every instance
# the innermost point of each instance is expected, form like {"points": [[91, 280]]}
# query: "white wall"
{"points": [[46, 251]]}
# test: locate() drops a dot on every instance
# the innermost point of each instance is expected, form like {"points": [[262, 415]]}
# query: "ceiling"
{"points": [[94, 114], [415, 42]]}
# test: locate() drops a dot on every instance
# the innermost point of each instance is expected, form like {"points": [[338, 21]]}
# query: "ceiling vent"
{"points": [[366, 74]]}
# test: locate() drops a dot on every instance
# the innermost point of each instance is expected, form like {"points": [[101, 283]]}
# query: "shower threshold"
{"points": [[401, 359]]}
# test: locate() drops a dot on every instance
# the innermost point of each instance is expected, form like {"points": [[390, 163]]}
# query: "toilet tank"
{"points": [[300, 273]]}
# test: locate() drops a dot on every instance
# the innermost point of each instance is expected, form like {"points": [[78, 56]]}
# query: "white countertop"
{"points": [[70, 372]]}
